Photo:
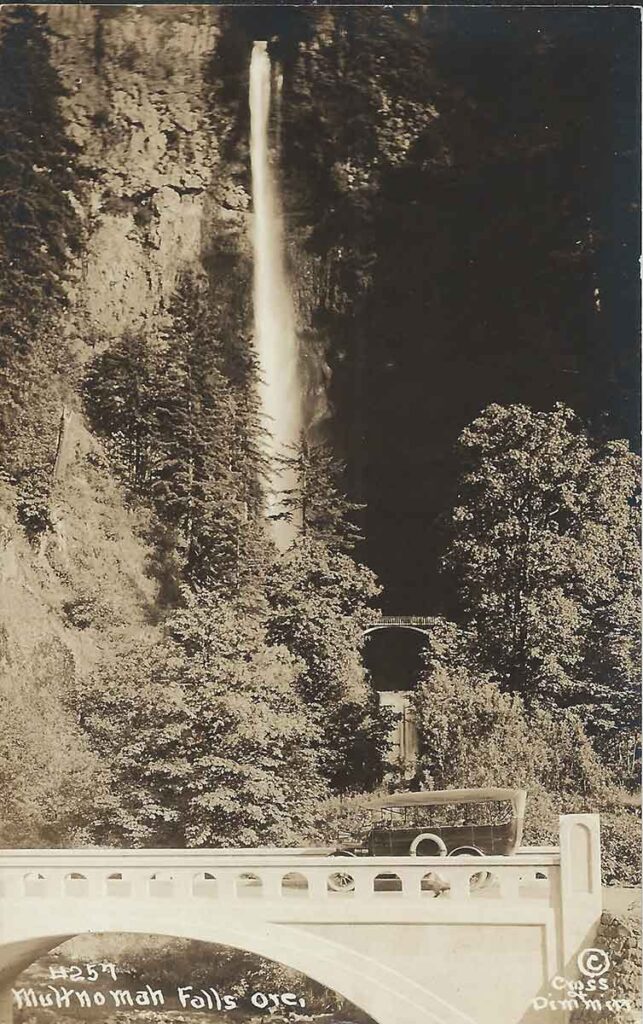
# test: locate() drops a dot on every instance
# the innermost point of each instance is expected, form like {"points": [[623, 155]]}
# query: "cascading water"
{"points": [[274, 319]]}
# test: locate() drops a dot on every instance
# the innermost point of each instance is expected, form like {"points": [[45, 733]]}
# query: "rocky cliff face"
{"points": [[161, 191], [139, 106]]}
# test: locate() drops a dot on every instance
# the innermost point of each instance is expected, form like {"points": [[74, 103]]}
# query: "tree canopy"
{"points": [[543, 547], [208, 740]]}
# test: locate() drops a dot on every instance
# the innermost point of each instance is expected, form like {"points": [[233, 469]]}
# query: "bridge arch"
{"points": [[393, 655], [381, 991], [392, 652]]}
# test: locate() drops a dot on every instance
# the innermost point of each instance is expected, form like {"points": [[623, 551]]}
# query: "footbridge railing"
{"points": [[418, 623]]}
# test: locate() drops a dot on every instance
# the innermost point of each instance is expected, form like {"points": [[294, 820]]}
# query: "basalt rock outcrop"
{"points": [[139, 105]]}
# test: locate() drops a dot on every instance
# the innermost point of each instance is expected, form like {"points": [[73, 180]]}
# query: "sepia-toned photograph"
{"points": [[320, 683]]}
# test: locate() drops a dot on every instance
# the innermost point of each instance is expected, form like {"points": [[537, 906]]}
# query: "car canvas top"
{"points": [[517, 798]]}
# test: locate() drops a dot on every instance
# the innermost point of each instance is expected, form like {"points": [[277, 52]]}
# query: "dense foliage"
{"points": [[208, 742], [544, 552], [261, 647], [212, 738], [230, 730], [49, 775], [319, 606], [473, 734], [179, 414], [39, 225]]}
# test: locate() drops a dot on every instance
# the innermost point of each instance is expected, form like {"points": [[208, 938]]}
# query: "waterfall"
{"points": [[274, 319]]}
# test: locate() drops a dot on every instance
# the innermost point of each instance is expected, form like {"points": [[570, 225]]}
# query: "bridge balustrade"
{"points": [[242, 875]]}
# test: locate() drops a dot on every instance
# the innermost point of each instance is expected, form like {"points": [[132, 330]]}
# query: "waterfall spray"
{"points": [[274, 319]]}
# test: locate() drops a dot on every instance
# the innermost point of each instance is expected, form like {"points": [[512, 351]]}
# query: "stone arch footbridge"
{"points": [[481, 951], [416, 623]]}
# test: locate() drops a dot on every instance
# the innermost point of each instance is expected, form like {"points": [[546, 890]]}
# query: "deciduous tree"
{"points": [[544, 551], [319, 607], [209, 742]]}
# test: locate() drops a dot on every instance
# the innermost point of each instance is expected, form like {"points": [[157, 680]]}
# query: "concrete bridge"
{"points": [[480, 951], [416, 623]]}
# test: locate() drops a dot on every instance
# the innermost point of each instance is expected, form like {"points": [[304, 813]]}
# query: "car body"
{"points": [[405, 827]]}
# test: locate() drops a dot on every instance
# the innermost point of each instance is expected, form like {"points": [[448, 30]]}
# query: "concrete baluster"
{"points": [[140, 883], [182, 884], [57, 883], [411, 883], [318, 883], [271, 883], [226, 879], [21, 884], [458, 879], [363, 883], [509, 879], [96, 884]]}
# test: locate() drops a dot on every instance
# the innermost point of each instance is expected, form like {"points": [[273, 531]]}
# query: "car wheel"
{"points": [[428, 837], [481, 878], [341, 881]]}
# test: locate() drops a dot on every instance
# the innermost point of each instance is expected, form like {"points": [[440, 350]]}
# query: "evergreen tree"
{"points": [[39, 231], [39, 226], [205, 481], [316, 504], [121, 394], [181, 419]]}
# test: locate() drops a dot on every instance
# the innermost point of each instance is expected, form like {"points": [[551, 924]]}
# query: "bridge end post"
{"points": [[580, 883]]}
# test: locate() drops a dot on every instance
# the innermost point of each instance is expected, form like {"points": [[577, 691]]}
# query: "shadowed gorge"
{"points": [[468, 186]]}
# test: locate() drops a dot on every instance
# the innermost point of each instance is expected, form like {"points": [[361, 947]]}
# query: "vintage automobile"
{"points": [[406, 825]]}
